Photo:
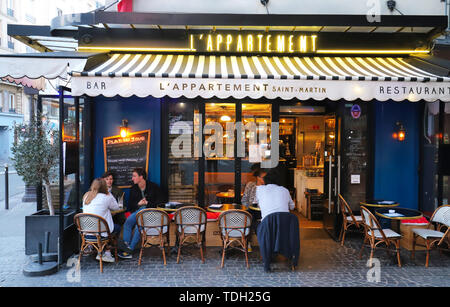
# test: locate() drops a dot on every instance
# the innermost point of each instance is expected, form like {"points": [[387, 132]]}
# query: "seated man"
{"points": [[279, 229], [143, 194], [117, 193], [272, 197]]}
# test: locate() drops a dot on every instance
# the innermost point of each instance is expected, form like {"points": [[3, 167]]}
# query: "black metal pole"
{"points": [[39, 123], [6, 188], [61, 174], [77, 159]]}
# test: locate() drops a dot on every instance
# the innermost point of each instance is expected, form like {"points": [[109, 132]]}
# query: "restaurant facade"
{"points": [[341, 105]]}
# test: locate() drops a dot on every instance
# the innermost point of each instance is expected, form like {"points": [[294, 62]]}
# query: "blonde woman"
{"points": [[100, 202]]}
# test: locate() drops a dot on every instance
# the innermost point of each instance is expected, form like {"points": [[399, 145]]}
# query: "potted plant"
{"points": [[35, 154]]}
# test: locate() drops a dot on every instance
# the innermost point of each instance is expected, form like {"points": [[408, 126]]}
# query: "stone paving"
{"points": [[323, 262]]}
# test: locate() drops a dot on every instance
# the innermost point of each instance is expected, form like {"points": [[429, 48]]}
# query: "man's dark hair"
{"points": [[107, 174], [141, 172], [272, 177]]}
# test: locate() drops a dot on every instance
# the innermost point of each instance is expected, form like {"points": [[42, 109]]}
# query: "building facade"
{"points": [[350, 98], [16, 103]]}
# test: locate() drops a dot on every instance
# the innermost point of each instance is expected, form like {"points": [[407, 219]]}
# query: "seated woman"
{"points": [[143, 194], [100, 202], [117, 193], [258, 173], [272, 197]]}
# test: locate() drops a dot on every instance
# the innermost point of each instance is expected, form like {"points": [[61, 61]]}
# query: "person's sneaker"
{"points": [[107, 257], [124, 255], [123, 246]]}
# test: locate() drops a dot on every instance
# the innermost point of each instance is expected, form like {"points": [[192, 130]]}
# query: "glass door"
{"points": [[331, 174]]}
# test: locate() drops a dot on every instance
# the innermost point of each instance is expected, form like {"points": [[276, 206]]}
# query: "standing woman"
{"points": [[100, 202]]}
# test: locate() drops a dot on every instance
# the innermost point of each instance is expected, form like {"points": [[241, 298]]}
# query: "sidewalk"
{"points": [[323, 262], [12, 236]]}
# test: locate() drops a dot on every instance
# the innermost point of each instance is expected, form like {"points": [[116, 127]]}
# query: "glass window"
{"points": [[12, 102], [446, 145], [260, 115], [218, 148], [183, 165]]}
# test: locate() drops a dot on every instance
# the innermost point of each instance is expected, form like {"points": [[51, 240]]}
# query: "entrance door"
{"points": [[332, 162]]}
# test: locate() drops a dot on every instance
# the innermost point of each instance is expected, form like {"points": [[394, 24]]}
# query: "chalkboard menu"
{"points": [[122, 155]]}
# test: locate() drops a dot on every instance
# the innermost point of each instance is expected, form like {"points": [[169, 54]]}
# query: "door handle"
{"points": [[329, 185], [339, 179]]}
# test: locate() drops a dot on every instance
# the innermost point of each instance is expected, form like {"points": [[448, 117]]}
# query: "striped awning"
{"points": [[261, 67], [167, 74]]}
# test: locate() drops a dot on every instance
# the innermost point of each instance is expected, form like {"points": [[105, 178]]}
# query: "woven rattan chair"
{"points": [[94, 231], [153, 225], [190, 223], [235, 226], [348, 218], [376, 236], [441, 218]]}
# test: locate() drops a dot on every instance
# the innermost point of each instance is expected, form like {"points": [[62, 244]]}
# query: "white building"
{"points": [[15, 104]]}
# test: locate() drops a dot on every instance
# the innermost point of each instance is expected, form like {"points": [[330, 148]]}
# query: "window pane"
{"points": [[219, 152], [260, 115], [183, 166]]}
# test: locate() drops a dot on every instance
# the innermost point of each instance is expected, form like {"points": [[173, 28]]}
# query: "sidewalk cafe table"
{"points": [[398, 214], [227, 196], [225, 207], [373, 204], [114, 212]]}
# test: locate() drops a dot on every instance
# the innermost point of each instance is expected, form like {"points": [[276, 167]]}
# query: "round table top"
{"points": [[254, 207], [379, 203], [226, 207], [226, 194], [118, 211], [172, 209], [399, 213]]}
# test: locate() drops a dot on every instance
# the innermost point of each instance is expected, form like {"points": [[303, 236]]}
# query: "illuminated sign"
{"points": [[253, 42]]}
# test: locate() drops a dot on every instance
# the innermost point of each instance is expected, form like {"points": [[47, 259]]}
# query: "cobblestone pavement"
{"points": [[323, 262]]}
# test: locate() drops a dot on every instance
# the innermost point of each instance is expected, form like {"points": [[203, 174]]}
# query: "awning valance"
{"points": [[50, 65], [334, 78]]}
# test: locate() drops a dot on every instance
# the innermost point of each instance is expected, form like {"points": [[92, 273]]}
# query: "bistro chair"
{"points": [[190, 223], [94, 231], [348, 218], [235, 226], [153, 225], [375, 235], [441, 218]]}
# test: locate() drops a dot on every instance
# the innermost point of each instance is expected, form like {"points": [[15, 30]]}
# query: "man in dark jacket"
{"points": [[278, 233], [143, 194]]}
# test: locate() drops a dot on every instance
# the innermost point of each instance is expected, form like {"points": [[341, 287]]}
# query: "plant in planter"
{"points": [[35, 154]]}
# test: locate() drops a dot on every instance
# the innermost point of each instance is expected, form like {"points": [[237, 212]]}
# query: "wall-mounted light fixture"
{"points": [[124, 130], [400, 132]]}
